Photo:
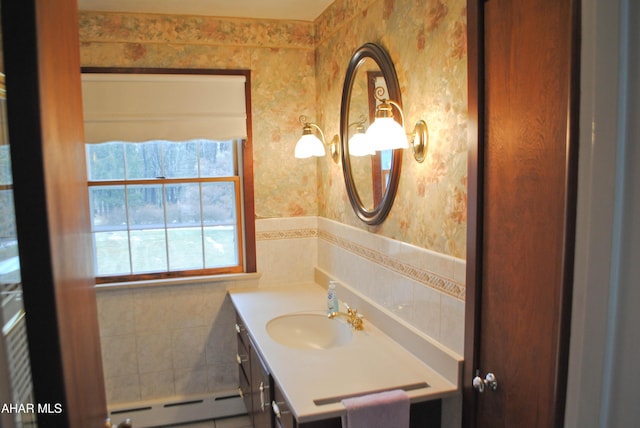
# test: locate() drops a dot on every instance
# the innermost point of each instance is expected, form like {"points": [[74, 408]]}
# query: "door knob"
{"points": [[127, 423], [489, 381]]}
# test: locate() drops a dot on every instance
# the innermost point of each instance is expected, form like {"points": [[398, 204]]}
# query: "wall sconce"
{"points": [[310, 145], [387, 134], [358, 143]]}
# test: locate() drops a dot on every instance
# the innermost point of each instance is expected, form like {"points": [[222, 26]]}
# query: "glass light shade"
{"points": [[386, 134], [309, 145], [359, 145]]}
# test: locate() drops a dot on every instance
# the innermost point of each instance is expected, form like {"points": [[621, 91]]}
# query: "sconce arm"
{"points": [[397, 106], [324, 140], [307, 124]]}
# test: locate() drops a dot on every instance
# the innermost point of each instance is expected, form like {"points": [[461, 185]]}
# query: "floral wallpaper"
{"points": [[281, 57], [427, 43], [299, 68]]}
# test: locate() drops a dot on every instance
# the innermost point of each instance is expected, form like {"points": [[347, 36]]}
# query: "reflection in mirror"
{"points": [[359, 117], [371, 176], [370, 168]]}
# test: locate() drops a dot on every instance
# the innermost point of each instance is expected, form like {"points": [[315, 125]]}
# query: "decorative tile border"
{"points": [[422, 276], [286, 234]]}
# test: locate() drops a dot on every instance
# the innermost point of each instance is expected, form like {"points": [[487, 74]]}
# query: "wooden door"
{"points": [[524, 73], [41, 59]]}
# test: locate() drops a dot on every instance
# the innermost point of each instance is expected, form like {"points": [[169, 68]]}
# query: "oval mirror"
{"points": [[371, 177]]}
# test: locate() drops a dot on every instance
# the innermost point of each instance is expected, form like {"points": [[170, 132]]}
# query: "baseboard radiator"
{"points": [[177, 410]]}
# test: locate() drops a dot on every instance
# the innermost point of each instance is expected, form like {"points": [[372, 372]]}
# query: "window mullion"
{"points": [[166, 227], [202, 239], [204, 258], [126, 206], [128, 216]]}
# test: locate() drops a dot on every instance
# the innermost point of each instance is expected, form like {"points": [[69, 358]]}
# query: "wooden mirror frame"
{"points": [[380, 211]]}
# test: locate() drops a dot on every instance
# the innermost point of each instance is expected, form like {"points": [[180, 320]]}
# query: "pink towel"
{"points": [[389, 409]]}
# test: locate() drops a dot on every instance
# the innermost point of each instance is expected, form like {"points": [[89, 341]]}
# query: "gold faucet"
{"points": [[352, 317]]}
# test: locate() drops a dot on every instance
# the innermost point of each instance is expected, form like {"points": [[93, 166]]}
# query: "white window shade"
{"points": [[143, 107]]}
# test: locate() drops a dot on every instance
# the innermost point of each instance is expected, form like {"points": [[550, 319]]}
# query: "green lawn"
{"points": [[149, 250]]}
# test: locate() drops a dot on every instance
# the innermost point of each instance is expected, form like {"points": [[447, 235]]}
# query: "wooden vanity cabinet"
{"points": [[283, 418], [423, 415], [255, 382], [244, 365], [261, 388]]}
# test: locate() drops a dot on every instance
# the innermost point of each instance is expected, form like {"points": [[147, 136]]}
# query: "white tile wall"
{"points": [[166, 340], [286, 250]]}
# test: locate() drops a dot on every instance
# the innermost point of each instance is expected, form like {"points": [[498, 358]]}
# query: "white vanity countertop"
{"points": [[371, 362]]}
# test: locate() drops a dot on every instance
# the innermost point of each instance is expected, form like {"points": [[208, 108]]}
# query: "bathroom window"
{"points": [[163, 202]]}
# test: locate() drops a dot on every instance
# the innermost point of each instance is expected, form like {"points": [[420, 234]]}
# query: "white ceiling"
{"points": [[303, 10]]}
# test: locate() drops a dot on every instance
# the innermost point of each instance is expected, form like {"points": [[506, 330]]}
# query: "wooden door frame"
{"points": [[475, 197], [44, 106], [475, 192]]}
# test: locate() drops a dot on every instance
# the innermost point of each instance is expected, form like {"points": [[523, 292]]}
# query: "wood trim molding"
{"points": [[571, 204], [475, 127]]}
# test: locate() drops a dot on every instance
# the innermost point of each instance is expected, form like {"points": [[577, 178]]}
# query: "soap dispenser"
{"points": [[332, 298]]}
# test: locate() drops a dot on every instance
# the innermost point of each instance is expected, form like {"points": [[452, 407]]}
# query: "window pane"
{"points": [[184, 223], [220, 246], [9, 259], [108, 211], [144, 160], [109, 223], [146, 207], [185, 248], [219, 202], [181, 159], [183, 204], [217, 158], [105, 161], [149, 250], [112, 253], [147, 223], [8, 231], [5, 165]]}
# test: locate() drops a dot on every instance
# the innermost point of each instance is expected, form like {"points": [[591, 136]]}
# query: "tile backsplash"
{"points": [[286, 249], [423, 288]]}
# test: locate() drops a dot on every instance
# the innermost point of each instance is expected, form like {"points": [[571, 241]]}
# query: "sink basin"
{"points": [[309, 331]]}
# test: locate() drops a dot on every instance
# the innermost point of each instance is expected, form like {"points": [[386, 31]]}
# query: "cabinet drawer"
{"points": [[245, 389], [282, 415], [241, 331], [261, 386], [243, 349], [244, 364], [243, 359]]}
